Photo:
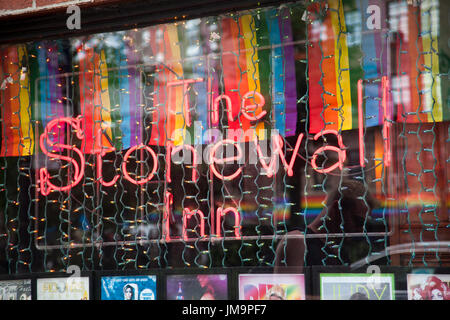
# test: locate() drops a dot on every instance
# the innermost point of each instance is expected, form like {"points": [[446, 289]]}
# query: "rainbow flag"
{"points": [[17, 132], [418, 51], [32, 90], [167, 102], [195, 97], [333, 77], [258, 56], [110, 96], [374, 44]]}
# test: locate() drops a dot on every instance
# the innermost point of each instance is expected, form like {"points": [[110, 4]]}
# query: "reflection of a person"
{"points": [[207, 287], [348, 209], [276, 292], [128, 292]]}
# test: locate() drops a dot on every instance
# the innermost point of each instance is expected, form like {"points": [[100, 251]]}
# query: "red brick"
{"points": [[41, 3], [15, 4]]}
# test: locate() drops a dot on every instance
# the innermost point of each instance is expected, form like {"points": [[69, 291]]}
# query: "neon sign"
{"points": [[269, 167]]}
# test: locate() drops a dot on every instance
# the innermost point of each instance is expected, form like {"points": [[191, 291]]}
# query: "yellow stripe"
{"points": [[344, 101], [25, 107], [248, 26], [106, 104], [433, 99], [176, 66]]}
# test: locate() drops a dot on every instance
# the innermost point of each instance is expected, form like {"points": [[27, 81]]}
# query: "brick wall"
{"points": [[25, 7]]}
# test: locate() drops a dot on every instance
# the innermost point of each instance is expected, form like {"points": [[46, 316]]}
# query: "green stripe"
{"points": [[114, 95], [263, 41]]}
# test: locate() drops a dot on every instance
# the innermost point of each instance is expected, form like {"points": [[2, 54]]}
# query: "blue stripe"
{"points": [[370, 68], [277, 72], [44, 90]]}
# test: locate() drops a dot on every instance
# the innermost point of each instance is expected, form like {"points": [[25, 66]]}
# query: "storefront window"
{"points": [[306, 134]]}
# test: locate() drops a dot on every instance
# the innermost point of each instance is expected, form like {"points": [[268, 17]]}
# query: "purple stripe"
{"points": [[134, 130], [55, 92], [290, 86]]}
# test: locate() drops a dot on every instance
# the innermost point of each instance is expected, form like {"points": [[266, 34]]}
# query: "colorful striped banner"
{"points": [[11, 87], [322, 73], [18, 112], [195, 68], [134, 92], [50, 98], [110, 96], [234, 68], [333, 86], [258, 57], [210, 47], [431, 80], [163, 124], [375, 46], [418, 51], [344, 103], [290, 83]]}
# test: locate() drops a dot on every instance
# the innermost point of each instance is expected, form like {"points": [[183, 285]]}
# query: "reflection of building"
{"points": [[127, 120]]}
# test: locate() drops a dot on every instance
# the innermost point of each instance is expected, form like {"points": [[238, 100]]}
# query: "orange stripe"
{"points": [[329, 77]]}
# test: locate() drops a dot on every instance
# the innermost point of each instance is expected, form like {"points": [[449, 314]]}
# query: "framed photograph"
{"points": [[271, 286], [428, 286], [209, 285], [128, 287], [63, 287], [357, 286], [15, 289]]}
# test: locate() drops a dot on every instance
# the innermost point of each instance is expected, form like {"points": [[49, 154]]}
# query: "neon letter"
{"points": [[215, 113], [252, 107], [45, 185], [187, 214], [125, 160], [100, 151], [213, 159], [341, 152], [237, 221], [168, 201], [361, 124], [169, 147], [277, 149], [386, 122], [186, 107]]}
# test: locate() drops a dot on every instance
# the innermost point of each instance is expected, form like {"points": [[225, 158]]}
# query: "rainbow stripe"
{"points": [[332, 86], [322, 74], [18, 111], [110, 96]]}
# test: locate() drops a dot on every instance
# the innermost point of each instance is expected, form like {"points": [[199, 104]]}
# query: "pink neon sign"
{"points": [[251, 102], [100, 151]]}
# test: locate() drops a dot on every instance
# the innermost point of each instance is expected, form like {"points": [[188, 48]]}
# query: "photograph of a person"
{"points": [[271, 287], [197, 287], [428, 286], [129, 292], [128, 287]]}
